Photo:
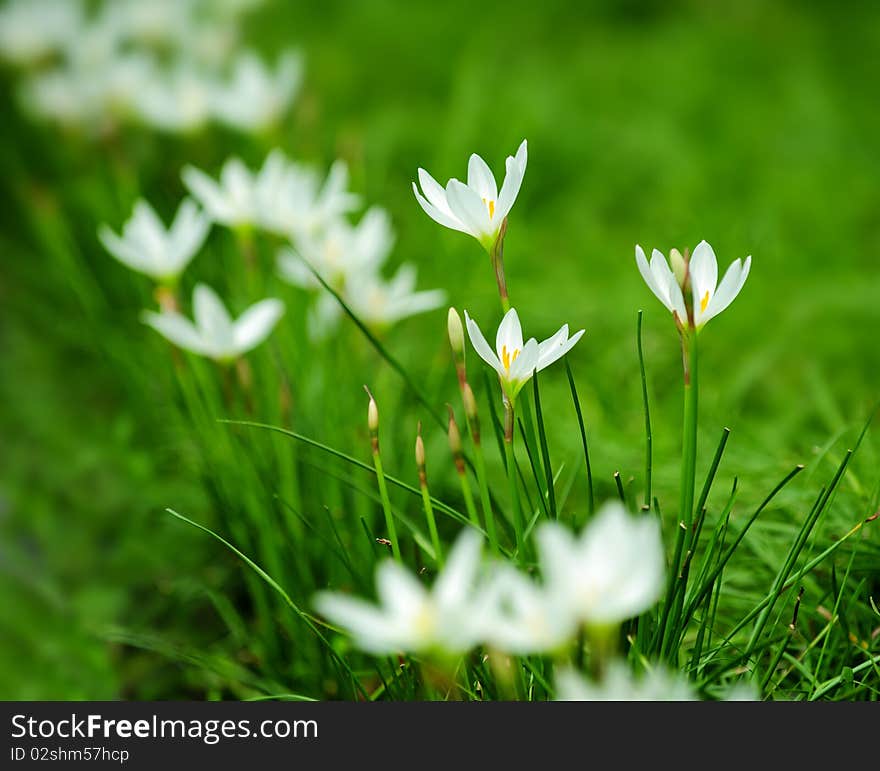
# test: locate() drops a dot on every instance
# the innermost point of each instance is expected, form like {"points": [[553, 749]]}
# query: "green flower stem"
{"points": [[469, 499], [485, 501], [509, 422], [432, 522], [386, 506]]}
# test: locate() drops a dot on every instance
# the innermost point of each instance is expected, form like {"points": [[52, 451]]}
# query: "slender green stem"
{"points": [[486, 503], [386, 507], [649, 440], [432, 525], [509, 424], [469, 500], [689, 432]]}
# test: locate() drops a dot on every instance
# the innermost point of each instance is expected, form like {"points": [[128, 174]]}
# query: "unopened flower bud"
{"points": [[470, 411], [420, 457], [455, 442], [456, 333], [373, 421]]}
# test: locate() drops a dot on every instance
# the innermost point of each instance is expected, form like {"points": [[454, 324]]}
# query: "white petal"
{"points": [[455, 583], [208, 192], [255, 324], [469, 208], [481, 346], [703, 268], [556, 347], [364, 622], [438, 215], [481, 179], [728, 289], [180, 331], [434, 191], [211, 317], [556, 552], [509, 334], [676, 298], [187, 235], [399, 591], [125, 253], [648, 276], [524, 367]]}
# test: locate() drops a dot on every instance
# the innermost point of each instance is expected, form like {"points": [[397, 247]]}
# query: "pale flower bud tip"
{"points": [[456, 332]]}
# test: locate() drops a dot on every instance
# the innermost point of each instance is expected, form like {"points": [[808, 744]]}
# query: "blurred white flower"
{"points": [[231, 201], [477, 208], [612, 571], [33, 30], [411, 618], [154, 23], [513, 360], [215, 334], [339, 251], [256, 98], [294, 202], [176, 101], [700, 273], [378, 302], [619, 683], [59, 96], [523, 618], [148, 247]]}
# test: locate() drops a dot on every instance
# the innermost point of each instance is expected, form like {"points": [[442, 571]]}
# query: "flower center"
{"points": [[506, 358], [491, 206], [704, 302]]}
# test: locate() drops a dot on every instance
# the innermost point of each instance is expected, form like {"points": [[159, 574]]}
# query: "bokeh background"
{"points": [[753, 125]]}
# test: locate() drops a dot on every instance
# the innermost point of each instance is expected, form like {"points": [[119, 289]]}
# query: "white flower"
{"points": [[295, 203], [233, 201], [256, 98], [378, 302], [523, 618], [215, 334], [611, 572], [513, 360], [31, 30], [157, 22], [148, 247], [339, 251], [708, 297], [619, 683], [477, 208], [410, 618], [176, 101]]}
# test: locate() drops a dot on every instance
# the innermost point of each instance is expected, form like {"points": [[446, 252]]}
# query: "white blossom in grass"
{"points": [[410, 618], [516, 361], [155, 23], [523, 618], [33, 30], [214, 333], [255, 97], [232, 200], [689, 288], [612, 571], [296, 203], [339, 251], [176, 101], [477, 208], [148, 247], [620, 683]]}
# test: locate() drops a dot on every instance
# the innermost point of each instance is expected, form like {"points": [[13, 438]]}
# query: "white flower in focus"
{"points": [[146, 246], [513, 360], [231, 201], [619, 683], [612, 571], [176, 101], [523, 618], [339, 251], [256, 98], [477, 208], [215, 334], [700, 273], [411, 618], [32, 30]]}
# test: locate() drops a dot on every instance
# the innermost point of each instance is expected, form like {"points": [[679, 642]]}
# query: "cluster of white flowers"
{"points": [[610, 572], [286, 200], [169, 64]]}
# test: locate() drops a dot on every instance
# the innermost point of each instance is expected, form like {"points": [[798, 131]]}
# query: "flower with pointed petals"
{"points": [[31, 30], [410, 618], [612, 571], [175, 101], [699, 274], [215, 334], [231, 201], [146, 246], [477, 208], [619, 683], [256, 98], [513, 360]]}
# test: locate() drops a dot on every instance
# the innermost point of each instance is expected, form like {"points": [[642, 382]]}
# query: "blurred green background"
{"points": [[753, 125]]}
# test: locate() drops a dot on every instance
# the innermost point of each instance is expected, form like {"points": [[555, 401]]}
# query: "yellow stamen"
{"points": [[491, 205], [506, 358], [704, 302]]}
